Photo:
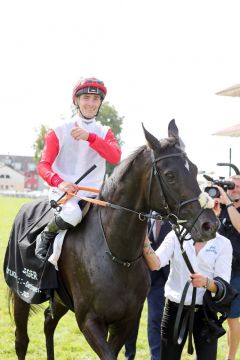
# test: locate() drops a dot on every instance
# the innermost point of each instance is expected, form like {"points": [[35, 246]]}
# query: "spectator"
{"points": [[155, 299], [211, 262], [230, 227]]}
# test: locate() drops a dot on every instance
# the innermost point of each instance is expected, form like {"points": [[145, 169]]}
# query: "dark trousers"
{"points": [[155, 311], [130, 344], [170, 350]]}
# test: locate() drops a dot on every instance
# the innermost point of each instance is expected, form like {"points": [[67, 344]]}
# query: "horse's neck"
{"points": [[124, 230]]}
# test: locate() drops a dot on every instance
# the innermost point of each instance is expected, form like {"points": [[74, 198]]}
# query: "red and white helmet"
{"points": [[89, 86]]}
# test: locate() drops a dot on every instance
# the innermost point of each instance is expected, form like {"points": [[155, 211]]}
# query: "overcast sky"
{"points": [[159, 60]]}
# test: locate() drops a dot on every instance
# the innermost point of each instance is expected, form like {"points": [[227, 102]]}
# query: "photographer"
{"points": [[230, 227]]}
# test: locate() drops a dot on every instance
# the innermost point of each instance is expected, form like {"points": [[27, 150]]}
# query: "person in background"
{"points": [[155, 299], [230, 227], [211, 262], [69, 151]]}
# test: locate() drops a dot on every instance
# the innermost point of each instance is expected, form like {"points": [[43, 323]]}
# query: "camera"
{"points": [[213, 191]]}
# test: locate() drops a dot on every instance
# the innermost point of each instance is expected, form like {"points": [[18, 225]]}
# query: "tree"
{"points": [[39, 142], [108, 115]]}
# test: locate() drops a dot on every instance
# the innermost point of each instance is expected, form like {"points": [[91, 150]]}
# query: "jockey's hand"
{"points": [[78, 133], [198, 280], [68, 187]]}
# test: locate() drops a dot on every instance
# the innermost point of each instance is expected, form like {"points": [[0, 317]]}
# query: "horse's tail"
{"points": [[11, 302]]}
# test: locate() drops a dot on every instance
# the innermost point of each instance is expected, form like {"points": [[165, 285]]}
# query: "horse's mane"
{"points": [[125, 165], [120, 171]]}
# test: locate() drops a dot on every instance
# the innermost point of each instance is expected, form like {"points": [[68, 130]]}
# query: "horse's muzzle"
{"points": [[204, 231]]}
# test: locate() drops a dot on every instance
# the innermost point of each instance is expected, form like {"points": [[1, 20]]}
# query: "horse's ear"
{"points": [[153, 142], [173, 129], [173, 132]]}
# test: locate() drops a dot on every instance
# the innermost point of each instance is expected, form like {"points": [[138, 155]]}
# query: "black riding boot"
{"points": [[48, 234]]}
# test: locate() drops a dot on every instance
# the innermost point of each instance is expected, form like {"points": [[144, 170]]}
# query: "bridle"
{"points": [[166, 191]]}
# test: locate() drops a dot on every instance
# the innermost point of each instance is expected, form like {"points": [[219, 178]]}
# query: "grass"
{"points": [[69, 342]]}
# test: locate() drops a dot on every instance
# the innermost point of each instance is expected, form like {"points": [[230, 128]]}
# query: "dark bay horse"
{"points": [[101, 263]]}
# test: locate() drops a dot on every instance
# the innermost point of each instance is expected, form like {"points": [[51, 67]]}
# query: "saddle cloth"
{"points": [[30, 278]]}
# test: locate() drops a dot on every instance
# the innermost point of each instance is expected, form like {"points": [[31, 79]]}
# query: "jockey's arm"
{"points": [[49, 154], [108, 147], [150, 256]]}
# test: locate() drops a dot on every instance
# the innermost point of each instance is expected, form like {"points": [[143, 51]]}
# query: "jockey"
{"points": [[69, 151]]}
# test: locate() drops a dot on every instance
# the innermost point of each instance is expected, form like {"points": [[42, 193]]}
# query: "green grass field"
{"points": [[69, 342]]}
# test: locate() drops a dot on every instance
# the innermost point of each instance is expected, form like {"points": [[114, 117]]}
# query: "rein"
{"points": [[114, 258], [141, 216]]}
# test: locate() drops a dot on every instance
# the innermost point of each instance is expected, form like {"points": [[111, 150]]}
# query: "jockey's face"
{"points": [[89, 104]]}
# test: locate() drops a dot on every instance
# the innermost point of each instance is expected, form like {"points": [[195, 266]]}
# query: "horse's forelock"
{"points": [[168, 142]]}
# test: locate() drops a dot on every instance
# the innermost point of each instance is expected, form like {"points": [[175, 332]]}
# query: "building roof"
{"points": [[4, 168], [12, 160]]}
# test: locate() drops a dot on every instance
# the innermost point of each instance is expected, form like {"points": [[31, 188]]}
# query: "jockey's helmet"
{"points": [[89, 86]]}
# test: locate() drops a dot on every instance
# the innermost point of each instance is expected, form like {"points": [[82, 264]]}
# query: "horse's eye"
{"points": [[170, 176]]}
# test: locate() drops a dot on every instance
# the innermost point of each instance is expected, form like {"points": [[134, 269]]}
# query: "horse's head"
{"points": [[174, 190]]}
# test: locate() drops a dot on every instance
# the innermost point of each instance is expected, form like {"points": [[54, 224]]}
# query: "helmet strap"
{"points": [[87, 118]]}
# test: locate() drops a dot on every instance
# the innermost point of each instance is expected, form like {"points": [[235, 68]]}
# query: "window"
{"points": [[18, 166], [31, 167]]}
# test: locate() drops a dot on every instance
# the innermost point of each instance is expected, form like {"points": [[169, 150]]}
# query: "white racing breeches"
{"points": [[71, 212]]}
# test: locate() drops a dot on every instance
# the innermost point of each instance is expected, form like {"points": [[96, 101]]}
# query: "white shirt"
{"points": [[214, 259], [76, 157]]}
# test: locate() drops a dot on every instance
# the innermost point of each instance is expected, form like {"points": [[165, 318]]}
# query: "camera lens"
{"points": [[212, 191]]}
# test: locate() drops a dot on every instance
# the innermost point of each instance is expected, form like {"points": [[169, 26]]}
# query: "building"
{"points": [[19, 173], [10, 179]]}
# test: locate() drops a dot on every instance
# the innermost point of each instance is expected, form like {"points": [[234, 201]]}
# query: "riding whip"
{"points": [[78, 181]]}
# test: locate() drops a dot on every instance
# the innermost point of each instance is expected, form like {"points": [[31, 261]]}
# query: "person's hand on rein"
{"points": [[68, 187], [198, 280], [202, 281], [78, 133]]}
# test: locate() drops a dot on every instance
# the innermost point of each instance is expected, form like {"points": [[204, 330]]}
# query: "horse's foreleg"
{"points": [[118, 334], [52, 317], [95, 332], [21, 312]]}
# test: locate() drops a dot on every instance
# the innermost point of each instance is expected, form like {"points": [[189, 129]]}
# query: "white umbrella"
{"points": [[231, 91], [233, 131]]}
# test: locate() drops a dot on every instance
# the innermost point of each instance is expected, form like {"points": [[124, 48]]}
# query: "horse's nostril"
{"points": [[207, 226]]}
